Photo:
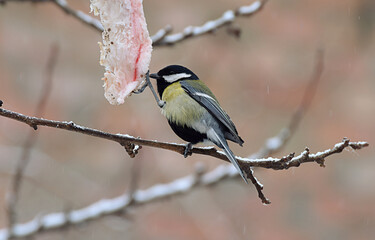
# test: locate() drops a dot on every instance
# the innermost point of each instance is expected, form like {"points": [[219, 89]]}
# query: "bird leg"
{"points": [[188, 148], [160, 103]]}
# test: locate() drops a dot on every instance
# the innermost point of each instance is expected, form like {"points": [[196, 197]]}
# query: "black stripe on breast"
{"points": [[188, 134]]}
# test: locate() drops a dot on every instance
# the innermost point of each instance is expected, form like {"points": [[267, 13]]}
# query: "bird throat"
{"points": [[162, 85]]}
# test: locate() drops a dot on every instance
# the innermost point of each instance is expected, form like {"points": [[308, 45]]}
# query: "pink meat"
{"points": [[126, 48]]}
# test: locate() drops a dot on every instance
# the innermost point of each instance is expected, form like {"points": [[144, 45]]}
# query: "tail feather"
{"points": [[224, 145]]}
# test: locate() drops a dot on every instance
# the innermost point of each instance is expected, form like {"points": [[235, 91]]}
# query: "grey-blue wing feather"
{"points": [[205, 98]]}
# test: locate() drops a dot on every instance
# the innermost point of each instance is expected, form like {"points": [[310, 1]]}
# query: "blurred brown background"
{"points": [[259, 79]]}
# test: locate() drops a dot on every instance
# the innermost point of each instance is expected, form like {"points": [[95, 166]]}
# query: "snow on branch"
{"points": [[291, 160], [228, 17], [81, 16], [63, 5], [164, 37], [182, 185]]}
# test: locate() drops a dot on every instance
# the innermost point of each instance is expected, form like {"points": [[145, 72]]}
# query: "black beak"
{"points": [[154, 75]]}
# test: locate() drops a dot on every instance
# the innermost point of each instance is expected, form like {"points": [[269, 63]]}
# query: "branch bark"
{"points": [[123, 139]]}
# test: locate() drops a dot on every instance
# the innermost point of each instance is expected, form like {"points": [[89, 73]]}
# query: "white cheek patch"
{"points": [[176, 77]]}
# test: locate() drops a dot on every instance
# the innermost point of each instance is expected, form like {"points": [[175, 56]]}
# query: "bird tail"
{"points": [[224, 145]]}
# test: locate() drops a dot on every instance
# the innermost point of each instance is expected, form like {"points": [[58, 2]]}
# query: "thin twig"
{"points": [[22, 163], [258, 186], [63, 5], [83, 17]]}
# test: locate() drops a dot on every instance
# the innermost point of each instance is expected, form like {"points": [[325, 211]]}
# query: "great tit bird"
{"points": [[193, 112]]}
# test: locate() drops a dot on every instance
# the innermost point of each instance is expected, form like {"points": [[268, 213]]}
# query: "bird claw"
{"points": [[141, 89], [188, 148]]}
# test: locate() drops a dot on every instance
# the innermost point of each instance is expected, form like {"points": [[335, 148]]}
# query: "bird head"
{"points": [[174, 73], [170, 75]]}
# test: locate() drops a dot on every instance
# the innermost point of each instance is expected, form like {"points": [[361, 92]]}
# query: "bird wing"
{"points": [[203, 95]]}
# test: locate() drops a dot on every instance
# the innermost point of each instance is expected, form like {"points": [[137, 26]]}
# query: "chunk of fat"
{"points": [[126, 49]]}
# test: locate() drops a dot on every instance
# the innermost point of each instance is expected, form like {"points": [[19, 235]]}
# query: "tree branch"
{"points": [[81, 16], [124, 138], [63, 5], [227, 18], [163, 37], [54, 221]]}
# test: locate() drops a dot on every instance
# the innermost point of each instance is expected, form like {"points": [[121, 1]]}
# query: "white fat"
{"points": [[125, 51], [175, 77]]}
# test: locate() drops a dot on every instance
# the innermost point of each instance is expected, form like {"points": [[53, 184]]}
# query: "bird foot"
{"points": [[141, 89], [188, 151]]}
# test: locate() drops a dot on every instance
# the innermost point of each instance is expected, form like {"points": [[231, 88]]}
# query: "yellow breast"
{"points": [[179, 107]]}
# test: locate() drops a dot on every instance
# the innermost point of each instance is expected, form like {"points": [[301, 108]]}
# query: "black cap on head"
{"points": [[174, 69]]}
